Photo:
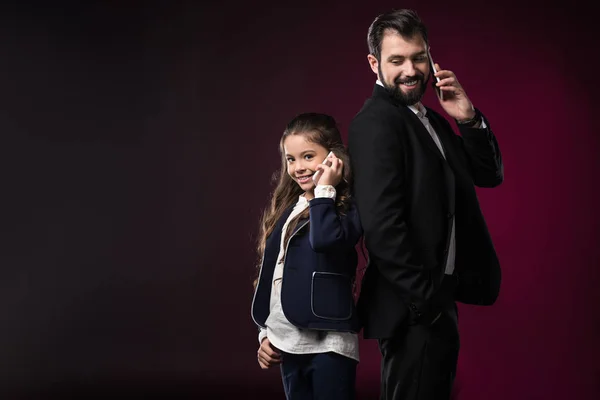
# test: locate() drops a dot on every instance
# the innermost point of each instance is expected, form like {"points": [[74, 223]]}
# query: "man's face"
{"points": [[404, 67]]}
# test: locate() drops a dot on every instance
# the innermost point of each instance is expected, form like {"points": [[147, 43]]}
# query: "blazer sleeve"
{"points": [[330, 231], [483, 153], [378, 158]]}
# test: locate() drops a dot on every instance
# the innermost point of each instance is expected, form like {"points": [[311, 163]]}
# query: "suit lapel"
{"points": [[301, 224], [274, 239], [443, 136], [423, 133], [450, 162]]}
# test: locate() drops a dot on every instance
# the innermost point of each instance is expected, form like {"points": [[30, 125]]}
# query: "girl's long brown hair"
{"points": [[320, 129]]}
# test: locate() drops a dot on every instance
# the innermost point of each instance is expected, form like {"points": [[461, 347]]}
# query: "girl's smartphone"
{"points": [[326, 162]]}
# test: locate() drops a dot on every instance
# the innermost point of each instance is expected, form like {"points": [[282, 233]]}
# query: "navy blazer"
{"points": [[318, 271]]}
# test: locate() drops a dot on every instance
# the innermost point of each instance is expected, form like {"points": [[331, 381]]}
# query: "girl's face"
{"points": [[302, 159]]}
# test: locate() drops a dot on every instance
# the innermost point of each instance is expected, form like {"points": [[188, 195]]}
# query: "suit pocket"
{"points": [[331, 296]]}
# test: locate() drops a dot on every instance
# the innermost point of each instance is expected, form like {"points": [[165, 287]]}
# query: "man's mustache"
{"points": [[418, 78]]}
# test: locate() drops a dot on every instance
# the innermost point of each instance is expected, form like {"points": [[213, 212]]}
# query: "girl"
{"points": [[303, 300]]}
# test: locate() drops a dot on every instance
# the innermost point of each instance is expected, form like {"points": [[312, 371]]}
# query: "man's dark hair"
{"points": [[404, 22]]}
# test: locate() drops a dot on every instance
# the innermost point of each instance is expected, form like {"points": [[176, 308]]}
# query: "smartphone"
{"points": [[326, 162], [436, 79]]}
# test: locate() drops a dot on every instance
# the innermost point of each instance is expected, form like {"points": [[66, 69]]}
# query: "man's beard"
{"points": [[410, 98]]}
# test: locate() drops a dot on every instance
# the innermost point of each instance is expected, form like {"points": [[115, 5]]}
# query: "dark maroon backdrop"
{"points": [[137, 142]]}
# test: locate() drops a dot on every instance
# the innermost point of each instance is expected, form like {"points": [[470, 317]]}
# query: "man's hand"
{"points": [[268, 355], [455, 103]]}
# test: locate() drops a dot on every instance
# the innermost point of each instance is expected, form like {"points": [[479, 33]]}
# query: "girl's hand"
{"points": [[268, 355], [330, 175]]}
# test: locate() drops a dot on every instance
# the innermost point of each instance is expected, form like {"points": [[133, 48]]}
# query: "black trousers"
{"points": [[419, 362], [322, 376]]}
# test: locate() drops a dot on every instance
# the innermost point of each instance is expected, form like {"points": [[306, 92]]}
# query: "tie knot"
{"points": [[420, 110]]}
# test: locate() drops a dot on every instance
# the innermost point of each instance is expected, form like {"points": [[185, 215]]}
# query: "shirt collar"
{"points": [[302, 199], [418, 109]]}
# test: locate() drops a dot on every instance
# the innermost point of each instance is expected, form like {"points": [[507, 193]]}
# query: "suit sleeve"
{"points": [[378, 158], [483, 153], [330, 231]]}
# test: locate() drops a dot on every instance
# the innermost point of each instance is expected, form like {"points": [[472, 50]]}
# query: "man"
{"points": [[414, 185]]}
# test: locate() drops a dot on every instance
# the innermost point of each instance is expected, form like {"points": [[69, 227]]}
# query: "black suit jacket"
{"points": [[407, 195]]}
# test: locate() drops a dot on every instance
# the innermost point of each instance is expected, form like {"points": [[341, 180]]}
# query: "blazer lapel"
{"points": [[301, 224], [422, 132], [449, 165], [444, 139]]}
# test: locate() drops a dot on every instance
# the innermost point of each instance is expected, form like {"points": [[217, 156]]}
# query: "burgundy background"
{"points": [[137, 142]]}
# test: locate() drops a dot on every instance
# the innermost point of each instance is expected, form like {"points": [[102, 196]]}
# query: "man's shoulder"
{"points": [[376, 121], [375, 109]]}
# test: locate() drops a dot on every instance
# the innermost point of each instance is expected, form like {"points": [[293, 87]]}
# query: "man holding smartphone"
{"points": [[414, 184]]}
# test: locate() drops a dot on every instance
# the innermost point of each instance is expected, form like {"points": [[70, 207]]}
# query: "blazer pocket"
{"points": [[331, 296]]}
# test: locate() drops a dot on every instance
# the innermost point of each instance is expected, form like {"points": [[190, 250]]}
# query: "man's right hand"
{"points": [[268, 355]]}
